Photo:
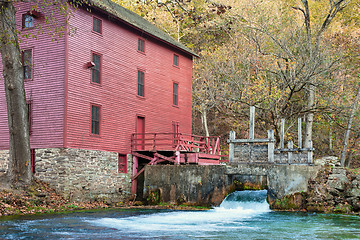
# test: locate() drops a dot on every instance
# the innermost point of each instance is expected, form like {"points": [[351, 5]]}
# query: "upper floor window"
{"points": [[141, 45], [95, 73], [27, 63], [29, 112], [176, 60], [175, 94], [28, 21], [95, 119], [141, 84], [97, 25]]}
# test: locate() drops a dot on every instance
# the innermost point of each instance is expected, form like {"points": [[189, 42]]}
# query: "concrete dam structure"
{"points": [[208, 185]]}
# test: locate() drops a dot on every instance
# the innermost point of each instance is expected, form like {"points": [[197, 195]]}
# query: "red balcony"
{"points": [[174, 142]]}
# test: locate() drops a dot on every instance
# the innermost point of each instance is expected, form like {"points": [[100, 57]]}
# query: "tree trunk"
{"points": [[330, 137], [348, 128], [349, 158], [309, 117], [204, 120], [19, 171]]}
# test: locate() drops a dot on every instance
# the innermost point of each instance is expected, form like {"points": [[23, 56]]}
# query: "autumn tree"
{"points": [[19, 171]]}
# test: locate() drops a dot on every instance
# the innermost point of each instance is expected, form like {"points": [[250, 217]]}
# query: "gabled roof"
{"points": [[137, 22]]}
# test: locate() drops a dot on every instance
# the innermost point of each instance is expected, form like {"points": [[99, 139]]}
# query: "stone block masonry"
{"points": [[4, 161], [82, 175]]}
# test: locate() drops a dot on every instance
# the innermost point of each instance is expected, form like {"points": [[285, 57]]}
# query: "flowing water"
{"points": [[242, 215]]}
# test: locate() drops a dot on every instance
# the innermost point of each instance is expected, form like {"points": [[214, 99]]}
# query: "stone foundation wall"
{"points": [[4, 161], [82, 175]]}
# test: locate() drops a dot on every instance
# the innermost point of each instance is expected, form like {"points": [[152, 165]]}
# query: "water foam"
{"points": [[232, 210]]}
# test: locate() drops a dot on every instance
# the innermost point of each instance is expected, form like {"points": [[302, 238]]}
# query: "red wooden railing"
{"points": [[175, 142]]}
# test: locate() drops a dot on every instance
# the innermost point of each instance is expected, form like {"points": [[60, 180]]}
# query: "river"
{"points": [[242, 215]]}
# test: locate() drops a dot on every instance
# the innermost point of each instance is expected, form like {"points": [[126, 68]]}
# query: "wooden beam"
{"points": [[257, 140], [135, 170], [134, 177], [216, 146], [177, 158], [142, 156], [170, 159]]}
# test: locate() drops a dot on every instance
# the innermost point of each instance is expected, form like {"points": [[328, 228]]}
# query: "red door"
{"points": [[140, 133]]}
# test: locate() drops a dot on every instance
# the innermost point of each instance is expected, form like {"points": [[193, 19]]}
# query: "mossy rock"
{"points": [[315, 207], [343, 208], [291, 202]]}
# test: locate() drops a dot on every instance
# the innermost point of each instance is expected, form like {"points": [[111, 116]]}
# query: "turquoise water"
{"points": [[243, 215]]}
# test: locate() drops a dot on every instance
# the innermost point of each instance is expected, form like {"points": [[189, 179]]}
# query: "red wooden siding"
{"points": [[61, 75], [46, 88], [117, 93]]}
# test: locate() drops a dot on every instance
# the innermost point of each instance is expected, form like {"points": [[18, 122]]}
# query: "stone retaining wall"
{"points": [[81, 175], [4, 161]]}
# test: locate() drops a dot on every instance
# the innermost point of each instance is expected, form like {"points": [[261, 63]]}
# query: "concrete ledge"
{"points": [[208, 185], [201, 185]]}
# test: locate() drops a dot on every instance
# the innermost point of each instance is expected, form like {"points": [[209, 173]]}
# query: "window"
{"points": [[95, 120], [29, 112], [96, 59], [141, 45], [32, 151], [122, 163], [97, 25], [28, 21], [175, 94], [141, 89], [176, 60], [27, 63]]}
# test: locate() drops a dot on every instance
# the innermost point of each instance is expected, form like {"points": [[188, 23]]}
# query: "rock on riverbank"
{"points": [[39, 198], [333, 190]]}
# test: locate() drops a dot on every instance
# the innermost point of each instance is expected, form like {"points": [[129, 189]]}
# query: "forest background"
{"points": [[289, 58]]}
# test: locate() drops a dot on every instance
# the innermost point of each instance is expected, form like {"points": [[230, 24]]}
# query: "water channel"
{"points": [[242, 215]]}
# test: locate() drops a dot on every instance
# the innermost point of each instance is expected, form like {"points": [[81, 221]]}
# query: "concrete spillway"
{"points": [[210, 184]]}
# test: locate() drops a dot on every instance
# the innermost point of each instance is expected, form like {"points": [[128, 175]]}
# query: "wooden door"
{"points": [[140, 133]]}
